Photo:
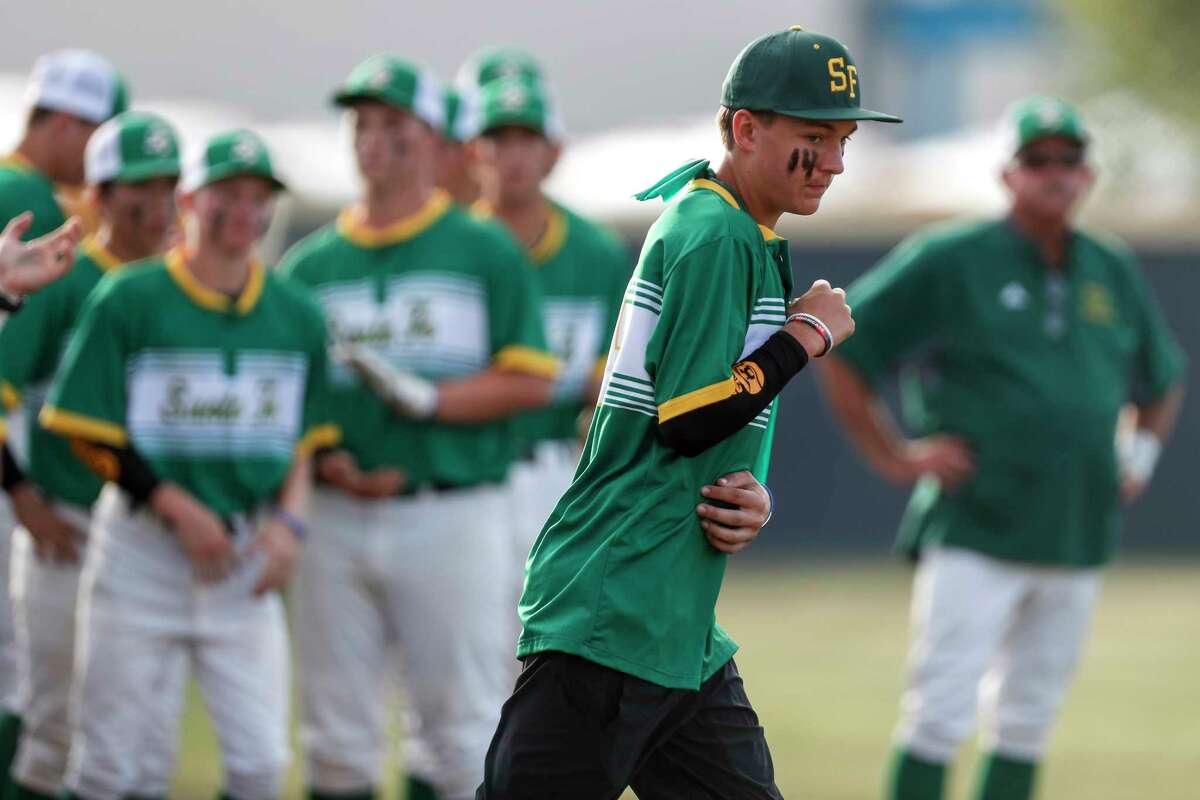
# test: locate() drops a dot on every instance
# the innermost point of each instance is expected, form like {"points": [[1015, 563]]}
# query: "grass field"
{"points": [[822, 653]]}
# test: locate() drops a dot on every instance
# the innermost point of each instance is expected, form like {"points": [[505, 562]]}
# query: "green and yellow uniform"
{"points": [[439, 294], [1031, 366], [711, 286], [217, 394], [32, 344]]}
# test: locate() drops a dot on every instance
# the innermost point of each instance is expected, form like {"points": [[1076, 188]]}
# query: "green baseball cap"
{"points": [[798, 73], [397, 83], [131, 147], [493, 63], [1041, 116], [228, 155], [521, 103]]}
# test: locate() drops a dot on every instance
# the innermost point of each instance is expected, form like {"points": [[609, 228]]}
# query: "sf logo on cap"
{"points": [[844, 76], [158, 141], [245, 149]]}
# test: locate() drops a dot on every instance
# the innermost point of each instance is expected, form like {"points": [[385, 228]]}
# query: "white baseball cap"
{"points": [[77, 82]]}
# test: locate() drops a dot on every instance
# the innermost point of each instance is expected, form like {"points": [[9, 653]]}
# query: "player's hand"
{"points": [[733, 529], [826, 304], [54, 539], [204, 538], [26, 267], [278, 544], [339, 469], [945, 456]]}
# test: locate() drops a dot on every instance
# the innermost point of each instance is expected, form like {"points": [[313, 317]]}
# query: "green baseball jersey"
{"points": [[219, 395], [1031, 366], [31, 346], [23, 188], [581, 270], [622, 573], [440, 294]]}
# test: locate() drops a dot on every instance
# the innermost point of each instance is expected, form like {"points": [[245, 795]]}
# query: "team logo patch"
{"points": [[245, 149], [1014, 296], [1096, 304], [158, 141], [747, 377]]}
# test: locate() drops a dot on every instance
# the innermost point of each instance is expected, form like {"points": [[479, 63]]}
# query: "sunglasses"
{"points": [[1035, 160]]}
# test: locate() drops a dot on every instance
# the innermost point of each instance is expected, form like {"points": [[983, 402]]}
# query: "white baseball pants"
{"points": [[424, 580], [995, 636], [144, 622]]}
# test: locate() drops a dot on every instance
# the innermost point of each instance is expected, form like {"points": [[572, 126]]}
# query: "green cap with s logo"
{"points": [[801, 74]]}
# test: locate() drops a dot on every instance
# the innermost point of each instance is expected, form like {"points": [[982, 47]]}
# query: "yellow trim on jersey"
{"points": [[318, 437], [713, 186], [68, 423], [353, 228], [18, 161], [518, 358], [552, 239], [104, 258], [211, 299], [599, 367], [705, 396], [10, 396]]}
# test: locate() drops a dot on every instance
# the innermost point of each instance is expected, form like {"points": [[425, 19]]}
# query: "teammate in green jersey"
{"points": [[132, 165], [70, 93], [1028, 334], [194, 384], [581, 269], [627, 679], [439, 314]]}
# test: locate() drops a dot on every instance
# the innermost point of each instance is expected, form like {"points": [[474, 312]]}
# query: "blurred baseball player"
{"points": [[70, 92], [581, 270], [132, 165], [627, 679], [436, 320], [1028, 333], [194, 385], [455, 163]]}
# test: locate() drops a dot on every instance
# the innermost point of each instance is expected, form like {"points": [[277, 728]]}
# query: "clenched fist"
{"points": [[826, 304]]}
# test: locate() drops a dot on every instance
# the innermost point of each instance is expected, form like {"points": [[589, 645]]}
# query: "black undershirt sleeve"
{"points": [[10, 472], [756, 379], [120, 465]]}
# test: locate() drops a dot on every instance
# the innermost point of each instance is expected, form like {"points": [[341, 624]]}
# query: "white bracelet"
{"points": [[1139, 456]]}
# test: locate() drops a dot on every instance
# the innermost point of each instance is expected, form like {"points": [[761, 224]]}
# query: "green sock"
{"points": [[10, 733], [420, 790], [365, 794], [15, 791], [1004, 778], [910, 778]]}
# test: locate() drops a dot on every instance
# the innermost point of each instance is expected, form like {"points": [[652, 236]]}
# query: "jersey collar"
{"points": [[729, 196], [353, 228], [104, 258], [552, 239], [211, 299]]}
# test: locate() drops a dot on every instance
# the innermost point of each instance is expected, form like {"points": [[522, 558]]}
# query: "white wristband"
{"points": [[1140, 455]]}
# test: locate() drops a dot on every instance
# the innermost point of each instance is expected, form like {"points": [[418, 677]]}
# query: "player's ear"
{"points": [[745, 130]]}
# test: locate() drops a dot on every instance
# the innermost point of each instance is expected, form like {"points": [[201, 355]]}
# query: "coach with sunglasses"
{"points": [[1022, 339]]}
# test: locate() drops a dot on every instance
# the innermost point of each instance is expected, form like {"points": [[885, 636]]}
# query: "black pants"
{"points": [[574, 730]]}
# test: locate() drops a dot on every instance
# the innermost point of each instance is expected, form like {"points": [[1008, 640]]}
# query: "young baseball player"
{"points": [[1031, 334], [628, 680], [70, 93], [194, 385], [581, 270], [455, 163], [132, 165], [439, 313]]}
